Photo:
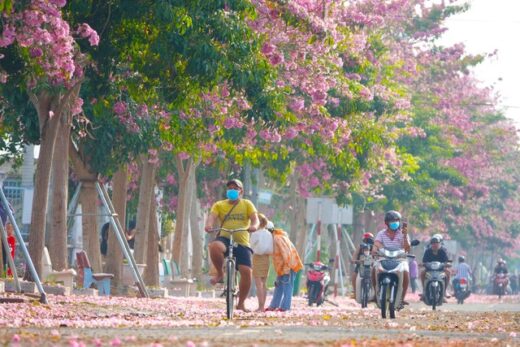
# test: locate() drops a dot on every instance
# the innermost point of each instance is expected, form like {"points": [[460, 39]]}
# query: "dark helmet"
{"points": [[391, 216], [435, 239], [462, 259]]}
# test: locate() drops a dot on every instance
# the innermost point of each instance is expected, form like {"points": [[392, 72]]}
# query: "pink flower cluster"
{"points": [[41, 28]]}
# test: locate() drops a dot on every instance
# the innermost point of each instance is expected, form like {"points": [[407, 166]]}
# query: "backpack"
{"points": [[261, 242]]}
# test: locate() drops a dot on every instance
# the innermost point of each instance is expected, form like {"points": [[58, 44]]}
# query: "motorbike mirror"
{"points": [[415, 242]]}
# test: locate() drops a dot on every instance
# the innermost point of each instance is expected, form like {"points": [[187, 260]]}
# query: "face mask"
{"points": [[232, 194], [393, 225]]}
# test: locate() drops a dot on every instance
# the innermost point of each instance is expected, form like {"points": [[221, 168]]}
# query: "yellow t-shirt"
{"points": [[237, 219]]}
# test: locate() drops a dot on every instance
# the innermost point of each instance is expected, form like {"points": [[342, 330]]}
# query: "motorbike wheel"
{"points": [[384, 300], [391, 305], [435, 294], [312, 293], [365, 289]]}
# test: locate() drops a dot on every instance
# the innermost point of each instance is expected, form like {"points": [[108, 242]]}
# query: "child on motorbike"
{"points": [[287, 263]]}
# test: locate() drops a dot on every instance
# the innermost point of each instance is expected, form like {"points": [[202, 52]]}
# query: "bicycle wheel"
{"points": [[230, 288]]}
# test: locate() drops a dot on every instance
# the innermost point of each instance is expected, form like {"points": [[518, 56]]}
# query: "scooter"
{"points": [[461, 288], [364, 290], [390, 269], [318, 279], [434, 284], [500, 284]]}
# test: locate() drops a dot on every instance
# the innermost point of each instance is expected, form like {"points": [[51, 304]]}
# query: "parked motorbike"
{"points": [[500, 284], [364, 290], [389, 283], [318, 279], [461, 287], [434, 284]]}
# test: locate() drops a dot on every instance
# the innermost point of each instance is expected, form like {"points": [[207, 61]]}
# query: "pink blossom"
{"points": [[183, 155], [276, 59], [77, 106], [170, 179], [120, 107], [297, 104], [267, 48]]}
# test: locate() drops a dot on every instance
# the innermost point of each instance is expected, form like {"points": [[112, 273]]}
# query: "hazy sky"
{"points": [[486, 26]]}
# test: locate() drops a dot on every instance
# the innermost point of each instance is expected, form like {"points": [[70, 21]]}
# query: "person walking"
{"points": [[287, 263], [262, 245]]}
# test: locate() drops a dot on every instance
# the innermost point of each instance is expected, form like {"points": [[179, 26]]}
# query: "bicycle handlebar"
{"points": [[231, 231]]}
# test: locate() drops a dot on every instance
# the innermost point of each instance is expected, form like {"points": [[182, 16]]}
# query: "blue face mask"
{"points": [[393, 225], [232, 194]]}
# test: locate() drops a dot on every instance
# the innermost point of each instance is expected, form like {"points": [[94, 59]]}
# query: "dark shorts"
{"points": [[242, 254], [356, 269]]}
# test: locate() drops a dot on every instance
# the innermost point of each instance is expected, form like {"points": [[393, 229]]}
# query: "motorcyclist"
{"points": [[501, 267], [435, 252], [368, 239], [462, 270], [394, 236]]}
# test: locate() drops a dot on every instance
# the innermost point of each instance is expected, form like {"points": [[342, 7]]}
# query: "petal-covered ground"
{"points": [[120, 321]]}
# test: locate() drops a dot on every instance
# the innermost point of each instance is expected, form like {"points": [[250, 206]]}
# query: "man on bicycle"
{"points": [[233, 213]]}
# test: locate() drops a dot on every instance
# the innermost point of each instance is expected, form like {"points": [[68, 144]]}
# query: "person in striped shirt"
{"points": [[462, 270], [394, 237]]}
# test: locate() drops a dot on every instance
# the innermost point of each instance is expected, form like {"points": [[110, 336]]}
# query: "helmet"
{"points": [[435, 239], [501, 261], [391, 216], [462, 259], [439, 236], [368, 236]]}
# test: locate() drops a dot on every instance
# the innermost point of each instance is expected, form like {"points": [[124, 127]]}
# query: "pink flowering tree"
{"points": [[40, 62]]}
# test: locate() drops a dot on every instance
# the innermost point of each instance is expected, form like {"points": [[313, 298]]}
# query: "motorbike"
{"points": [[318, 279], [389, 282], [461, 287], [364, 290], [500, 284], [434, 284]]}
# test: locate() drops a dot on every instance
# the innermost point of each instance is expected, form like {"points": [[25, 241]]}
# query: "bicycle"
{"points": [[230, 288]]}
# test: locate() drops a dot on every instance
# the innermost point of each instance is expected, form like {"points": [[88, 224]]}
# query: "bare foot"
{"points": [[260, 309], [242, 308], [217, 279]]}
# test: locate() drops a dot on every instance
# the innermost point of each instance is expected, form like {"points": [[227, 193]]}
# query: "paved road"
{"points": [[473, 307], [417, 325]]}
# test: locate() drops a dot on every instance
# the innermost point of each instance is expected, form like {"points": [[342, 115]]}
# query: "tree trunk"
{"points": [[49, 109], [58, 232], [146, 192], [151, 275], [48, 132], [183, 213], [114, 259], [197, 233], [88, 199]]}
